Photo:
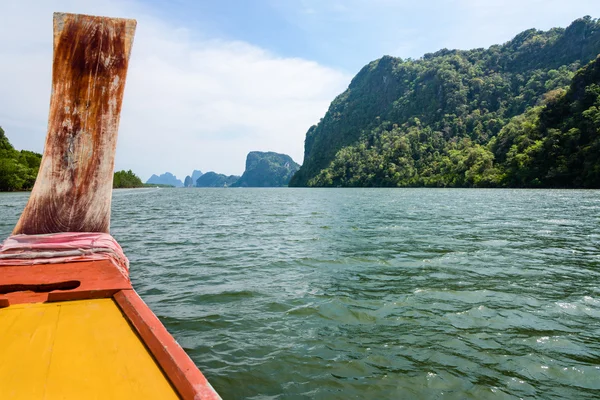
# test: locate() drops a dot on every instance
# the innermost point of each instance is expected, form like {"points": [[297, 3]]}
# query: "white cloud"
{"points": [[189, 103]]}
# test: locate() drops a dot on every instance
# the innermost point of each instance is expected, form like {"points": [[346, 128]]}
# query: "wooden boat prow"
{"points": [[71, 324], [74, 186]]}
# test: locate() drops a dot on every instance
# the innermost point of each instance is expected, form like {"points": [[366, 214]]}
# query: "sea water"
{"points": [[371, 293]]}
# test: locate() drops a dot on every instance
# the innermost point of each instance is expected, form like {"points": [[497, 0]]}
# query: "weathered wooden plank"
{"points": [[73, 189]]}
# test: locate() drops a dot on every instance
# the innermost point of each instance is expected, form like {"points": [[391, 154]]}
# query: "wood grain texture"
{"points": [[73, 189]]}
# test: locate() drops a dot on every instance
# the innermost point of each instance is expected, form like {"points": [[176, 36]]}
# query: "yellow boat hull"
{"points": [[75, 350]]}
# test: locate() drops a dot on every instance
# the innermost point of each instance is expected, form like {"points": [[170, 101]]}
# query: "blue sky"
{"points": [[348, 34], [210, 81]]}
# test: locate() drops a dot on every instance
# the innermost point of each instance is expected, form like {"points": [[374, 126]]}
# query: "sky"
{"points": [[211, 80]]}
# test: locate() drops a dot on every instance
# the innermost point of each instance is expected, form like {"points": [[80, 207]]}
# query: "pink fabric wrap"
{"points": [[66, 247]]}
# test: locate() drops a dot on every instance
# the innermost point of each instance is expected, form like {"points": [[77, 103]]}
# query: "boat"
{"points": [[71, 324]]}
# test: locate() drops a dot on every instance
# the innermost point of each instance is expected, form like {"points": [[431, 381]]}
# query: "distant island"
{"points": [[267, 169], [190, 181], [165, 179], [263, 169], [522, 114], [213, 179]]}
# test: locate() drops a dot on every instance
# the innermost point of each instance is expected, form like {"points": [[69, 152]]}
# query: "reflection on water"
{"points": [[358, 293]]}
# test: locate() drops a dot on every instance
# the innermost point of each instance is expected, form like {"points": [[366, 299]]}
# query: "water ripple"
{"points": [[337, 294]]}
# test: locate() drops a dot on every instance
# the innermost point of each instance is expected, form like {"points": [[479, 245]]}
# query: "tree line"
{"points": [[19, 169]]}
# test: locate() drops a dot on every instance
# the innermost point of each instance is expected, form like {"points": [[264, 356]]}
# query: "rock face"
{"points": [[267, 169], [190, 181], [165, 179], [195, 175], [212, 179]]}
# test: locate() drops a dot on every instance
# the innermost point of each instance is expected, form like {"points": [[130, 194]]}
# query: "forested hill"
{"points": [[267, 169], [18, 169], [463, 118], [558, 144]]}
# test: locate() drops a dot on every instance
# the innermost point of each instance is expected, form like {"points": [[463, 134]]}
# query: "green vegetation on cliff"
{"points": [[557, 144], [267, 169], [18, 169], [126, 179], [510, 115]]}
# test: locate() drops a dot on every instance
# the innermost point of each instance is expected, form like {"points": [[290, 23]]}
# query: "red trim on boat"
{"points": [[102, 279], [56, 282], [187, 379]]}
